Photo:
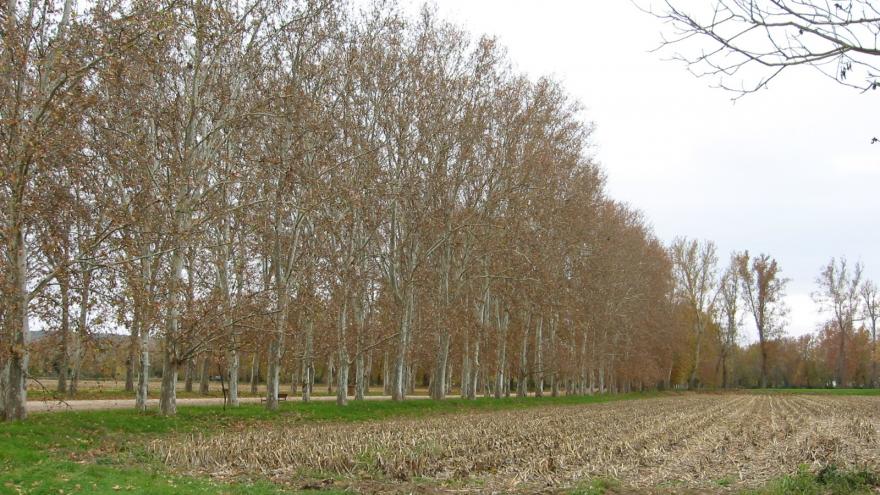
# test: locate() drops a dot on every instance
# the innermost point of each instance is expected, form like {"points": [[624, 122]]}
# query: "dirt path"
{"points": [[38, 406]]}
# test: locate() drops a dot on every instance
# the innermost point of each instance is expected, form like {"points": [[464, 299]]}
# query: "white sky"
{"points": [[788, 171]]}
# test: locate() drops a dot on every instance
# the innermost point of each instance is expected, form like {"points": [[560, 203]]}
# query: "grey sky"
{"points": [[788, 171]]}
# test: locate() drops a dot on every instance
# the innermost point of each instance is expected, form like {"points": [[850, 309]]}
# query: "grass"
{"points": [[596, 486], [828, 481], [102, 451]]}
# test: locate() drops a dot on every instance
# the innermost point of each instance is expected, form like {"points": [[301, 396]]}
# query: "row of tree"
{"points": [[329, 191], [295, 180]]}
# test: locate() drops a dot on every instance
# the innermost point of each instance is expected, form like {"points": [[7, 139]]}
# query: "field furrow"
{"points": [[693, 441]]}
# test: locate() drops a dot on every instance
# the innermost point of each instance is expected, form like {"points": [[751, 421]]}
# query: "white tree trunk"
{"points": [[17, 327], [234, 361], [386, 373], [475, 371], [466, 367], [438, 385], [539, 358], [170, 361], [63, 372], [522, 386], [308, 366], [399, 387], [360, 360], [80, 335], [502, 319], [342, 353], [144, 374]]}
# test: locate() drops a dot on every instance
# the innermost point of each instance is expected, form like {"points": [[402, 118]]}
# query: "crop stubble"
{"points": [[691, 441]]}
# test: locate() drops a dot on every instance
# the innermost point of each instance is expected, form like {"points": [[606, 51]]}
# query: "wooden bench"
{"points": [[280, 397]]}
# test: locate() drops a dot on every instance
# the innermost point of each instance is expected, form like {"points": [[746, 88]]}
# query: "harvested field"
{"points": [[687, 441]]}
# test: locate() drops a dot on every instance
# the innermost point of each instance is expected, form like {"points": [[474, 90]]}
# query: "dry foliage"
{"points": [[691, 441]]}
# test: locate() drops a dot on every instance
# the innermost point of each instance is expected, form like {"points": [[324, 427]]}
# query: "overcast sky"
{"points": [[788, 171]]}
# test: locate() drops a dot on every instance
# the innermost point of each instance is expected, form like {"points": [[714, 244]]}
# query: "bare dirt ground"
{"points": [[690, 442]]}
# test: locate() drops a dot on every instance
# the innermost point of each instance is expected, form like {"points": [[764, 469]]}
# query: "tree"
{"points": [[763, 290], [694, 266], [730, 288], [48, 53], [871, 313], [756, 40], [839, 294]]}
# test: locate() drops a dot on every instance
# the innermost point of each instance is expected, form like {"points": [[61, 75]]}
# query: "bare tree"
{"points": [[694, 267], [839, 294], [754, 41], [731, 317], [763, 291], [870, 315]]}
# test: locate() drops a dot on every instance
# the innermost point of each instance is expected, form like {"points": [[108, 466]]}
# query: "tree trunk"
{"points": [[502, 319], [368, 377], [539, 358], [342, 351], [359, 377], [692, 378], [386, 374], [79, 337], [64, 368], [873, 356], [255, 372], [522, 386], [276, 348], [841, 358], [144, 375], [168, 394], [554, 381], [131, 359], [724, 382], [205, 378], [331, 368], [342, 384], [16, 324], [763, 363], [438, 383], [308, 367], [4, 388], [449, 377], [398, 389], [475, 371], [592, 379], [234, 365], [466, 368], [189, 371]]}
